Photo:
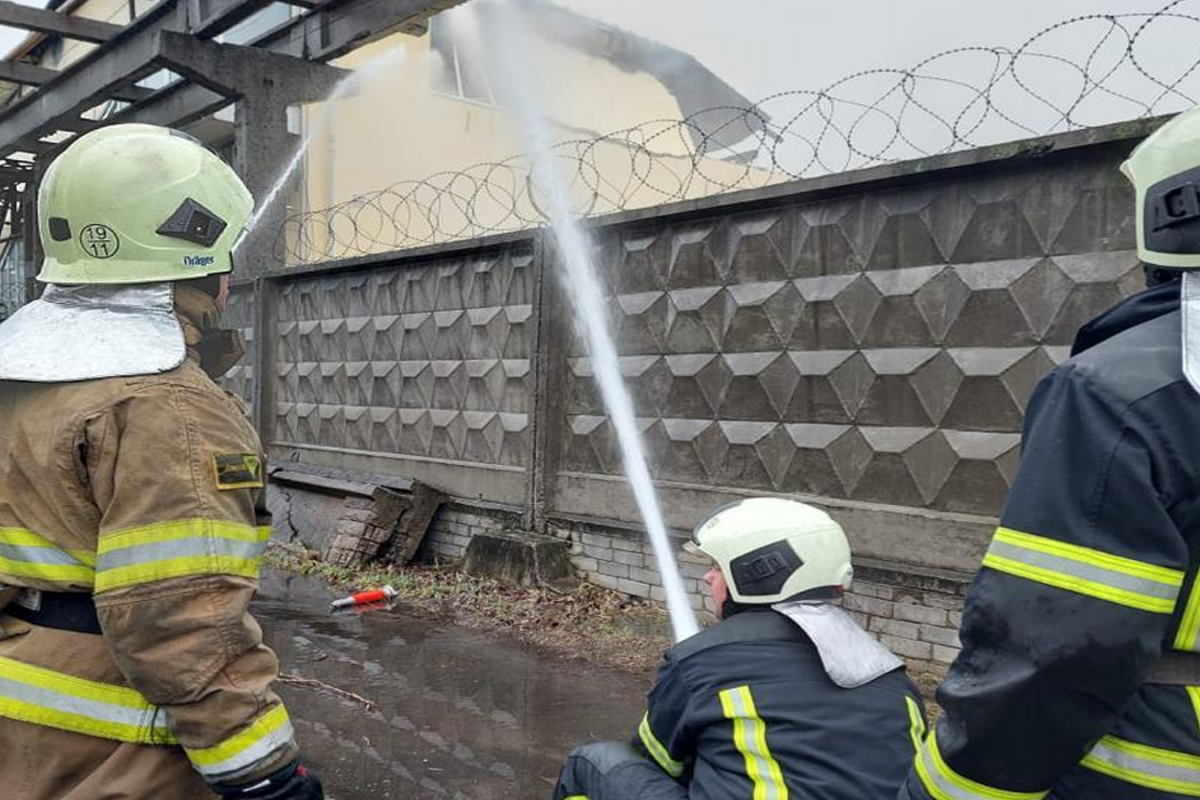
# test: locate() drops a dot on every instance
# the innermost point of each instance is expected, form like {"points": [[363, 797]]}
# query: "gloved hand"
{"points": [[293, 782]]}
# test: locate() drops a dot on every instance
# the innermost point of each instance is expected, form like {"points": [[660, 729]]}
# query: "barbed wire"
{"points": [[1078, 73]]}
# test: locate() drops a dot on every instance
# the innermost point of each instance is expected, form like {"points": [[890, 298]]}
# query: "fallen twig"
{"points": [[313, 683]]}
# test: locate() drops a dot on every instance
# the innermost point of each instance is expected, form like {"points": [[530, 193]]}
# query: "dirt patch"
{"points": [[590, 623]]}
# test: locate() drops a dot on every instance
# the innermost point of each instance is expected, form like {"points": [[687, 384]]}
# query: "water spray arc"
{"points": [[353, 83], [504, 54]]}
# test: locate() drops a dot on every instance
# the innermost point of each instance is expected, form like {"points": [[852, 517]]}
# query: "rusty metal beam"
{"points": [[15, 15]]}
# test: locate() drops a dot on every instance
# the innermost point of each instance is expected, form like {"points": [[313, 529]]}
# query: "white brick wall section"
{"points": [[647, 576], [604, 581], [872, 590], [948, 637], [946, 601], [628, 545], [630, 558], [868, 605], [635, 588], [894, 627], [912, 612], [944, 655], [907, 648], [613, 569], [599, 553]]}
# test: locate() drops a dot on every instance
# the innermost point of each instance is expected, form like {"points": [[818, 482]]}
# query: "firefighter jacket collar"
{"points": [[851, 656], [1191, 328], [216, 350], [78, 333]]}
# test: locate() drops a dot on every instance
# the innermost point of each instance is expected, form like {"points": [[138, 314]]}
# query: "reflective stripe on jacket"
{"points": [[1091, 576], [148, 493], [745, 711]]}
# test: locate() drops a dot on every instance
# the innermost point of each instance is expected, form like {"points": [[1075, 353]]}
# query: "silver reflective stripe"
{"points": [[1143, 765], [39, 555], [1084, 571], [179, 548], [249, 758], [751, 741], [941, 782], [1191, 328], [69, 704]]}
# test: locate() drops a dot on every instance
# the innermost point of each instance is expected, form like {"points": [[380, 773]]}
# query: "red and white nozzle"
{"points": [[366, 598]]}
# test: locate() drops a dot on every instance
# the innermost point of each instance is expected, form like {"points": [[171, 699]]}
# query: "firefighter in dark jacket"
{"points": [[785, 698], [1079, 675]]}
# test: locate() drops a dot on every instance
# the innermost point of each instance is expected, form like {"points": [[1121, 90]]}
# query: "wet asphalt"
{"points": [[459, 714]]}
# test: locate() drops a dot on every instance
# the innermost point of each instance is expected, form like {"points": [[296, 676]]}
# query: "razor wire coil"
{"points": [[1078, 73]]}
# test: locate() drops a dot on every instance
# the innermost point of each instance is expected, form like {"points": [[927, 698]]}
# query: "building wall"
{"points": [[866, 342], [398, 130]]}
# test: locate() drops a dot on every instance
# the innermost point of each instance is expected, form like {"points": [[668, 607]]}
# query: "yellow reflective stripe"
{"points": [[1129, 566], [240, 752], [1194, 696], [943, 783], [182, 529], [54, 699], [656, 750], [1085, 571], [77, 573], [750, 738], [178, 549], [916, 723], [1143, 765], [1188, 636], [22, 537], [176, 568], [25, 554]]}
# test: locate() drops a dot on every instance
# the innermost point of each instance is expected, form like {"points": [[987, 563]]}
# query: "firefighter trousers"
{"points": [[614, 771], [41, 763]]}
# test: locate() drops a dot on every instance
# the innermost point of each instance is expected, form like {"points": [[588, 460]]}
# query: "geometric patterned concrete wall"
{"points": [[239, 315], [878, 347], [874, 345], [429, 363]]}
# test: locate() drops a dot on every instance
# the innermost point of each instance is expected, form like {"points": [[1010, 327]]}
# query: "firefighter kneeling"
{"points": [[786, 694]]}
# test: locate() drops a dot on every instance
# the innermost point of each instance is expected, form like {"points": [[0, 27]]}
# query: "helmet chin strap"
{"points": [[1191, 328]]}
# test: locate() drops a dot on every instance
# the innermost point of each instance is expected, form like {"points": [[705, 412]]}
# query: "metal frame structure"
{"points": [[282, 67]]}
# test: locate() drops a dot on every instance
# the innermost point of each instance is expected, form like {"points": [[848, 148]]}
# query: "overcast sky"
{"points": [[763, 47], [767, 46], [11, 37]]}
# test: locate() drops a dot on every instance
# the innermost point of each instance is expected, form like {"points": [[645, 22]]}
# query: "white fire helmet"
{"points": [[772, 549]]}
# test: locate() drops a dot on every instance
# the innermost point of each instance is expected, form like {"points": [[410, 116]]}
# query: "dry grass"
{"points": [[590, 623]]}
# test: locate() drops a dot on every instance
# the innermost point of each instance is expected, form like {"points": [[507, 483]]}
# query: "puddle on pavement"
{"points": [[461, 714]]}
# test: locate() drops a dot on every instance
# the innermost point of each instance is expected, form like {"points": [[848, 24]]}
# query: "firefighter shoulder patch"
{"points": [[237, 471]]}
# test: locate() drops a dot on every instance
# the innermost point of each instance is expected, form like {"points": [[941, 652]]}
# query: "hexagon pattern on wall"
{"points": [[880, 347], [429, 361]]}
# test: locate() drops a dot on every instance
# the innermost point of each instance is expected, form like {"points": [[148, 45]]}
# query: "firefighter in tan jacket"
{"points": [[132, 521]]}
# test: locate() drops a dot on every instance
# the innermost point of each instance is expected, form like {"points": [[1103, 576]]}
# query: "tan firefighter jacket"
{"points": [[148, 493]]}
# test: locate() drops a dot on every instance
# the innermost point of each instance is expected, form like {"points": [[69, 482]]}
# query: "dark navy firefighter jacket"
{"points": [[745, 711], [1090, 578]]}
